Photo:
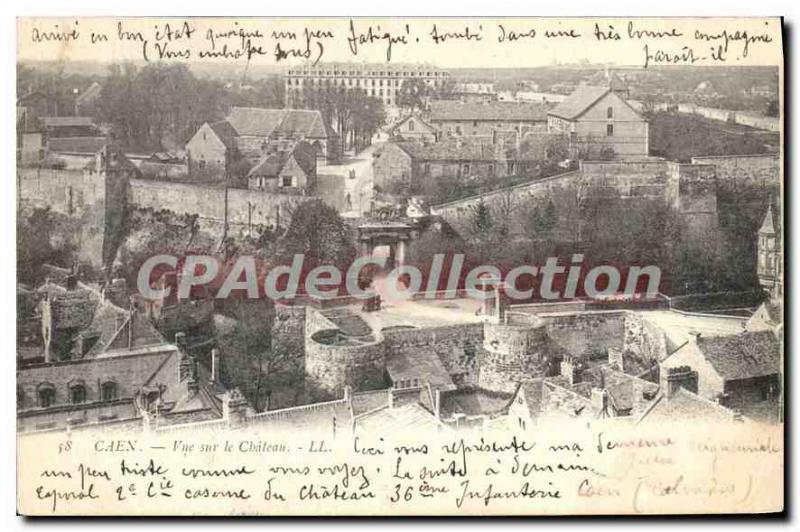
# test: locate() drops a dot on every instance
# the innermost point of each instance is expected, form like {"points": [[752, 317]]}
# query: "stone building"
{"points": [[741, 371], [409, 166], [378, 80], [413, 127], [250, 133], [285, 171], [485, 119], [597, 118]]}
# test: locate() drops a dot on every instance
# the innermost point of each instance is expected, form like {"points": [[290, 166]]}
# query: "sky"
{"points": [[446, 42]]}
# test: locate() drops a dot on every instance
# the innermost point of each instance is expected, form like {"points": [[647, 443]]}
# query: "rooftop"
{"points": [[445, 110]]}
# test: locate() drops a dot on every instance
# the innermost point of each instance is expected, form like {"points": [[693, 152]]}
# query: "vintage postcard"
{"points": [[451, 267]]}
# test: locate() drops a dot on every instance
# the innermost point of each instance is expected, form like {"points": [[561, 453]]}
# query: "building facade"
{"points": [[598, 119], [379, 80]]}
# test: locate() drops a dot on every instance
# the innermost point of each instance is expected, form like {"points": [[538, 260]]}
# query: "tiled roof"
{"points": [[112, 324], [579, 101], [258, 122], [618, 385], [225, 132], [742, 356], [532, 392], [685, 406], [455, 150], [81, 145], [448, 110], [422, 365], [410, 416], [418, 119]]}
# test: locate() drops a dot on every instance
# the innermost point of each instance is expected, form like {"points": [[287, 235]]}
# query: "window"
{"points": [[466, 169], [474, 123], [287, 181], [108, 391], [610, 112], [77, 394], [610, 130], [411, 125], [47, 395], [20, 397]]}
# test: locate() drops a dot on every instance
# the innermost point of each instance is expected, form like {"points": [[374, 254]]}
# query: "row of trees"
{"points": [[161, 105], [350, 112]]}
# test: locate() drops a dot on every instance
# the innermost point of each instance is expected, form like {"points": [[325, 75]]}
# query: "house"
{"points": [[71, 153], [256, 127], [211, 149], [251, 133], [394, 163], [293, 169], [769, 267], [475, 92], [413, 127], [408, 166], [597, 118], [68, 126], [483, 119], [100, 363], [741, 371]]}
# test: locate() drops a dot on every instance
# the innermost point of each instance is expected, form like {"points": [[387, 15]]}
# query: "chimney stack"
{"points": [[234, 408], [569, 369], [680, 377], [214, 377], [599, 401]]}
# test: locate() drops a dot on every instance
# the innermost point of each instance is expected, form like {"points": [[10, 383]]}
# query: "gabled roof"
{"points": [[579, 101], [258, 122], [531, 391], [685, 406], [742, 356], [768, 226], [447, 110], [272, 164], [415, 117], [225, 133]]}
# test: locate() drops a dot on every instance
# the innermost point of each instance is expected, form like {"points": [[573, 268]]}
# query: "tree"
{"points": [[251, 362], [158, 106], [414, 94], [320, 234], [39, 241]]}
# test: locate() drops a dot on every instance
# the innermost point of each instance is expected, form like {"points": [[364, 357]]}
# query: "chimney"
{"points": [[47, 327], [390, 397], [193, 385], [694, 336], [680, 377], [615, 359], [234, 408], [569, 369], [599, 401], [214, 377], [638, 399], [437, 404]]}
